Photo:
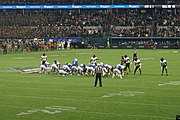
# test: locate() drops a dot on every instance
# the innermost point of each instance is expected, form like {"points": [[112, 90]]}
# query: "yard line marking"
{"points": [[68, 99], [147, 58], [21, 58], [123, 93], [163, 52], [56, 55], [114, 114], [170, 83], [83, 53]]}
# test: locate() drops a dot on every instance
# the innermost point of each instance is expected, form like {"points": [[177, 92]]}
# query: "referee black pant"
{"points": [[98, 76]]}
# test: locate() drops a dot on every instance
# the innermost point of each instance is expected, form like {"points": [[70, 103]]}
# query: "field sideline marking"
{"points": [[103, 113], [54, 98]]}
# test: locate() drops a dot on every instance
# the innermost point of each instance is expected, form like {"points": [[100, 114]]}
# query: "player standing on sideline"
{"points": [[127, 62], [134, 53], [98, 72], [163, 66], [93, 59], [43, 58], [137, 65]]}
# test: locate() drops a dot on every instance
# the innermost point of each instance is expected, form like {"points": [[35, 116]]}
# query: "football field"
{"points": [[149, 96]]}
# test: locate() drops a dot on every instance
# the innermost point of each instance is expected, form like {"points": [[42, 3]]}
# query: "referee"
{"points": [[98, 72]]}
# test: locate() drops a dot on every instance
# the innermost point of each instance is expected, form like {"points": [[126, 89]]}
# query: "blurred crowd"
{"points": [[98, 23], [89, 23]]}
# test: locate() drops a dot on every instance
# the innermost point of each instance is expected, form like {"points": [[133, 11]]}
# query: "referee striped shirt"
{"points": [[98, 69]]}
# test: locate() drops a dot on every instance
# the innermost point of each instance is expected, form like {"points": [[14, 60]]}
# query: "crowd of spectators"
{"points": [[89, 23]]}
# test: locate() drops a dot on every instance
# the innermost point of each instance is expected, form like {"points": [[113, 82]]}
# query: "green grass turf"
{"points": [[23, 92]]}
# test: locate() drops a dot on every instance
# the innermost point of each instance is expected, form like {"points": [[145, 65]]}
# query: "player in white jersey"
{"points": [[104, 71], [117, 71], [163, 66], [43, 67], [74, 67], [55, 66], [64, 70], [127, 62], [137, 65], [93, 59], [81, 69], [90, 69], [43, 57]]}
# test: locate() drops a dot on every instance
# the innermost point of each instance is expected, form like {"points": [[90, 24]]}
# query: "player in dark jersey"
{"points": [[134, 53], [127, 62]]}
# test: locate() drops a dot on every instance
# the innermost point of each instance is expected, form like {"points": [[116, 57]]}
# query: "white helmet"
{"points": [[75, 59]]}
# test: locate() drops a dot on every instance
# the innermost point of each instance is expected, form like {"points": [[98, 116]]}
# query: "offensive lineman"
{"points": [[163, 66]]}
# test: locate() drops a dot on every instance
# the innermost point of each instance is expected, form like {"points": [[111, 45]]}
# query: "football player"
{"points": [[74, 67], [43, 57], [163, 66], [117, 71], [90, 69], [137, 65], [64, 70], [134, 53], [127, 64], [43, 67], [55, 66], [93, 59], [81, 69]]}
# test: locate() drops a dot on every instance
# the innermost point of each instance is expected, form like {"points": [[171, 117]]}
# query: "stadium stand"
{"points": [[98, 23]]}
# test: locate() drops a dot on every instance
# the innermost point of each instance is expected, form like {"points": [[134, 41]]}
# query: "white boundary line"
{"points": [[78, 100]]}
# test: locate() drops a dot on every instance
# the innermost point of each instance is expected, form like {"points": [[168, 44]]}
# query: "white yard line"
{"points": [[78, 100], [146, 58]]}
